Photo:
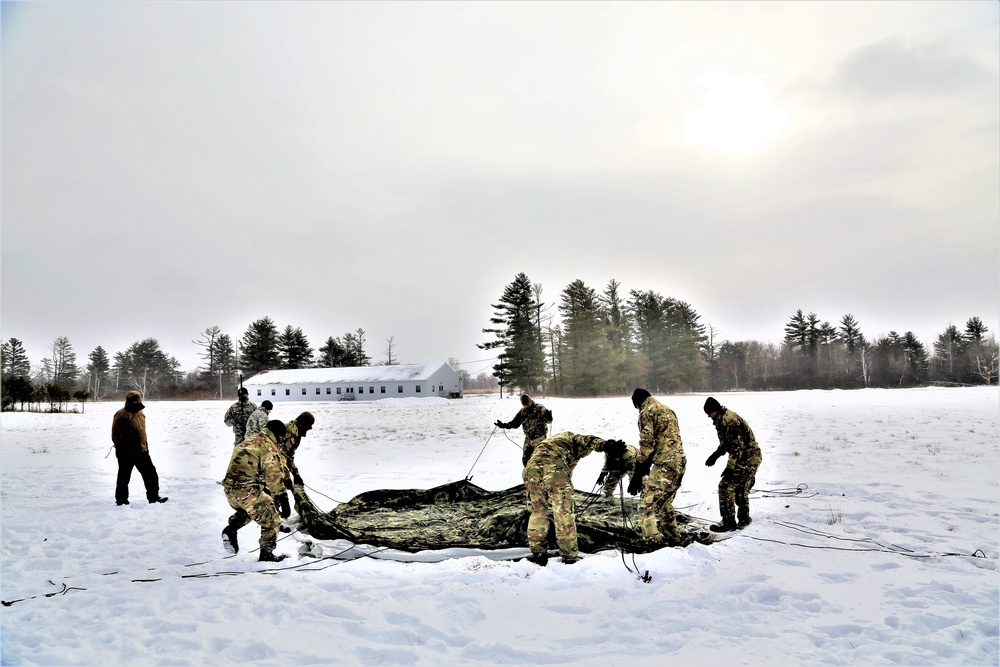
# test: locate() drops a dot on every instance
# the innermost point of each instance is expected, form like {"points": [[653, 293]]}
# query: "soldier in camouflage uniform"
{"points": [[238, 413], [533, 418], [256, 475], [548, 480], [258, 418], [615, 469], [659, 468], [295, 430], [737, 440]]}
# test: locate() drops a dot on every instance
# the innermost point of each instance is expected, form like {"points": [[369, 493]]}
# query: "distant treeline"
{"points": [[603, 343], [609, 342]]}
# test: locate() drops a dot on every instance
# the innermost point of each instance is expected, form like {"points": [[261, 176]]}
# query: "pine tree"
{"points": [[354, 346], [259, 347], [521, 362], [293, 348], [64, 368], [97, 372], [145, 367], [15, 359], [584, 350], [333, 354]]}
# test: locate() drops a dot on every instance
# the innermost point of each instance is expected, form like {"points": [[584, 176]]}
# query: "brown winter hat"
{"points": [[132, 396], [306, 419], [525, 400]]}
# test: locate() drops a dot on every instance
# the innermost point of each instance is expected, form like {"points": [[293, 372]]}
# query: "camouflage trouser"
{"points": [[734, 489], [656, 504], [253, 504], [550, 496]]}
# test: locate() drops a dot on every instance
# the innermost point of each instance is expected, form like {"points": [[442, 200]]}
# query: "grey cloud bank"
{"points": [[392, 167]]}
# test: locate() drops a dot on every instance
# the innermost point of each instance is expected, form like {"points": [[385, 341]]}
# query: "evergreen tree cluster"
{"points": [[605, 343], [144, 366]]}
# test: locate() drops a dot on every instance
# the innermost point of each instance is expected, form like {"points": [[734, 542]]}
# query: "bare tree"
{"points": [[390, 359]]}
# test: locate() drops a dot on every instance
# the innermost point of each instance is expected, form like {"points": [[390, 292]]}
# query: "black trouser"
{"points": [[141, 462]]}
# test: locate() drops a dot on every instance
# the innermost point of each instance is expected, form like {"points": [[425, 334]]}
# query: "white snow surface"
{"points": [[887, 555]]}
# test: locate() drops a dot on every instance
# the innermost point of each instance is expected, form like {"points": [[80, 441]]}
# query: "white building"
{"points": [[361, 383]]}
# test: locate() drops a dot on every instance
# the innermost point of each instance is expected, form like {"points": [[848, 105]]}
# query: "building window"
{"points": [[383, 389], [328, 391], [399, 390], [258, 392], [361, 390], [418, 388], [303, 391], [272, 392], [338, 390], [317, 390], [288, 392], [371, 390]]}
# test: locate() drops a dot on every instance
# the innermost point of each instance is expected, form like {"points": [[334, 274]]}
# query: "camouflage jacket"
{"points": [[533, 420], [257, 464], [236, 417], [128, 432], [565, 449], [256, 421], [659, 436], [735, 438]]}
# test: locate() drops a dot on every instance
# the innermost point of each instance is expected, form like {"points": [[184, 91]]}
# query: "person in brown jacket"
{"points": [[128, 432]]}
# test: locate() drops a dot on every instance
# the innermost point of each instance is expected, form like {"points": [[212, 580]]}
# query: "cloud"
{"points": [[889, 67]]}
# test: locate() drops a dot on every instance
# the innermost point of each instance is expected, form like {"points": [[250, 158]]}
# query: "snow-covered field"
{"points": [[887, 555]]}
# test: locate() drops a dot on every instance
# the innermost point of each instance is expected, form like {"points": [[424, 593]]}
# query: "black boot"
{"points": [[725, 526], [270, 557], [229, 540], [158, 499], [539, 559]]}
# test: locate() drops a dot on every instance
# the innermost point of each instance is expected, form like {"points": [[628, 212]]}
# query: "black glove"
{"points": [[635, 484], [500, 424], [710, 461], [283, 507], [602, 477], [297, 479], [641, 470]]}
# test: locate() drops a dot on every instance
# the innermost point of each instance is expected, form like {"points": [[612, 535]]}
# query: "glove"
{"points": [[712, 459], [297, 479], [635, 484], [283, 507], [288, 483], [602, 477], [500, 424], [641, 470]]}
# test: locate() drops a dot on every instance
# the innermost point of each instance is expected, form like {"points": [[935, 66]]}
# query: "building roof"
{"points": [[403, 372]]}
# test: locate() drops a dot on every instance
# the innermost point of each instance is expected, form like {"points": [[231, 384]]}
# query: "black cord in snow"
{"points": [[65, 589], [874, 546], [782, 493], [468, 476]]}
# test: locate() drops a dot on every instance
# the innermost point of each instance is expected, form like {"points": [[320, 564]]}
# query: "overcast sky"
{"points": [[172, 166]]}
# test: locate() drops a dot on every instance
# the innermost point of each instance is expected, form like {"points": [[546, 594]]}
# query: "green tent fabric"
{"points": [[461, 514]]}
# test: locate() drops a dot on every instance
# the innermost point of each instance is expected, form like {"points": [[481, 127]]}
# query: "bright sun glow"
{"points": [[736, 113]]}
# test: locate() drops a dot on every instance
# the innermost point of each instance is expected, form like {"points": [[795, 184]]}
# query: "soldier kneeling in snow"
{"points": [[256, 475]]}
